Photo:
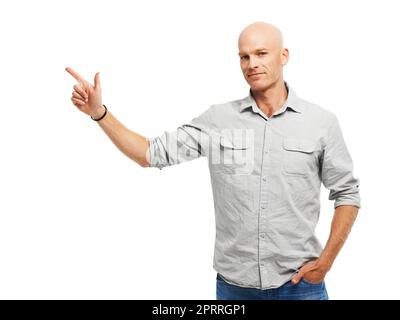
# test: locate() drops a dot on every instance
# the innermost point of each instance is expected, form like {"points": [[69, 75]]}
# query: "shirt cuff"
{"points": [[152, 154]]}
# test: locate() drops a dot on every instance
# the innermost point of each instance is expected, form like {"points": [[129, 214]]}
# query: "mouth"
{"points": [[255, 74]]}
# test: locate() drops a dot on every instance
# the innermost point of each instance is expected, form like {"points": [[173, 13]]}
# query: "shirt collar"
{"points": [[291, 102]]}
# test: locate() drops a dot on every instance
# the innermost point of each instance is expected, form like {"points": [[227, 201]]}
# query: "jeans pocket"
{"points": [[222, 280], [311, 283]]}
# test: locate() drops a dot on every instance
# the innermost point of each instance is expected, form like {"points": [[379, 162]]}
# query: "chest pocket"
{"points": [[235, 156], [236, 143], [298, 156]]}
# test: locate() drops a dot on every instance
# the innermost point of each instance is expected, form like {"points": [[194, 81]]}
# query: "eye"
{"points": [[244, 58], [263, 53]]}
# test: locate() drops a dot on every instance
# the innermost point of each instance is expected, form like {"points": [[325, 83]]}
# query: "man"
{"points": [[268, 154]]}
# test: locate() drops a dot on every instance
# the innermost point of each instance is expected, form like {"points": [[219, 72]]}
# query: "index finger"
{"points": [[75, 74]]}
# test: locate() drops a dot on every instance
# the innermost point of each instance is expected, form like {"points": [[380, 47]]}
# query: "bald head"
{"points": [[262, 31], [262, 56]]}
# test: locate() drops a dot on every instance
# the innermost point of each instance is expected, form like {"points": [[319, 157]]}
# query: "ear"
{"points": [[284, 56]]}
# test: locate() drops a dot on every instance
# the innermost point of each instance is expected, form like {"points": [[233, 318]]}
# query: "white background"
{"points": [[78, 220]]}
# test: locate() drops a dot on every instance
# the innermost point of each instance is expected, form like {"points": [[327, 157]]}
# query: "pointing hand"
{"points": [[86, 97]]}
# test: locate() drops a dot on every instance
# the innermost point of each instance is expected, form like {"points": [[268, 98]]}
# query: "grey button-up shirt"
{"points": [[266, 175]]}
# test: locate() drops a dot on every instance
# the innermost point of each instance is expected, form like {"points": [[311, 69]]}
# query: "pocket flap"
{"points": [[233, 142], [301, 145]]}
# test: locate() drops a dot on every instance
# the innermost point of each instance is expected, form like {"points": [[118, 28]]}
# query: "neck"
{"points": [[271, 99]]}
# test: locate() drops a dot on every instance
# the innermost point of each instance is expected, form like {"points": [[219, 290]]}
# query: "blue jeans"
{"points": [[302, 291]]}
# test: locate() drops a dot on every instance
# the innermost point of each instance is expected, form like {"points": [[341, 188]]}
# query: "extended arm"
{"points": [[87, 98], [130, 143]]}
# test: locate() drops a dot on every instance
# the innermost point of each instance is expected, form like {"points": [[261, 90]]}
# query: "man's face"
{"points": [[261, 58]]}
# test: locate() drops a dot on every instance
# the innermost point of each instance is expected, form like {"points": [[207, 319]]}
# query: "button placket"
{"points": [[263, 251]]}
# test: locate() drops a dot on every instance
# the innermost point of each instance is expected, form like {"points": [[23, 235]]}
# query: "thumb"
{"points": [[97, 85], [296, 279]]}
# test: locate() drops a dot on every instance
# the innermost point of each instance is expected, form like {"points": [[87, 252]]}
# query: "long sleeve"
{"points": [[337, 169], [187, 142]]}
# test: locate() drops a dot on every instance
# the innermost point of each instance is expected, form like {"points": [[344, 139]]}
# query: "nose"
{"points": [[253, 62]]}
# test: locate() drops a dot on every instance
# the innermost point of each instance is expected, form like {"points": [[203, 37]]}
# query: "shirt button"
{"points": [[264, 178], [263, 207], [262, 264], [262, 235]]}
